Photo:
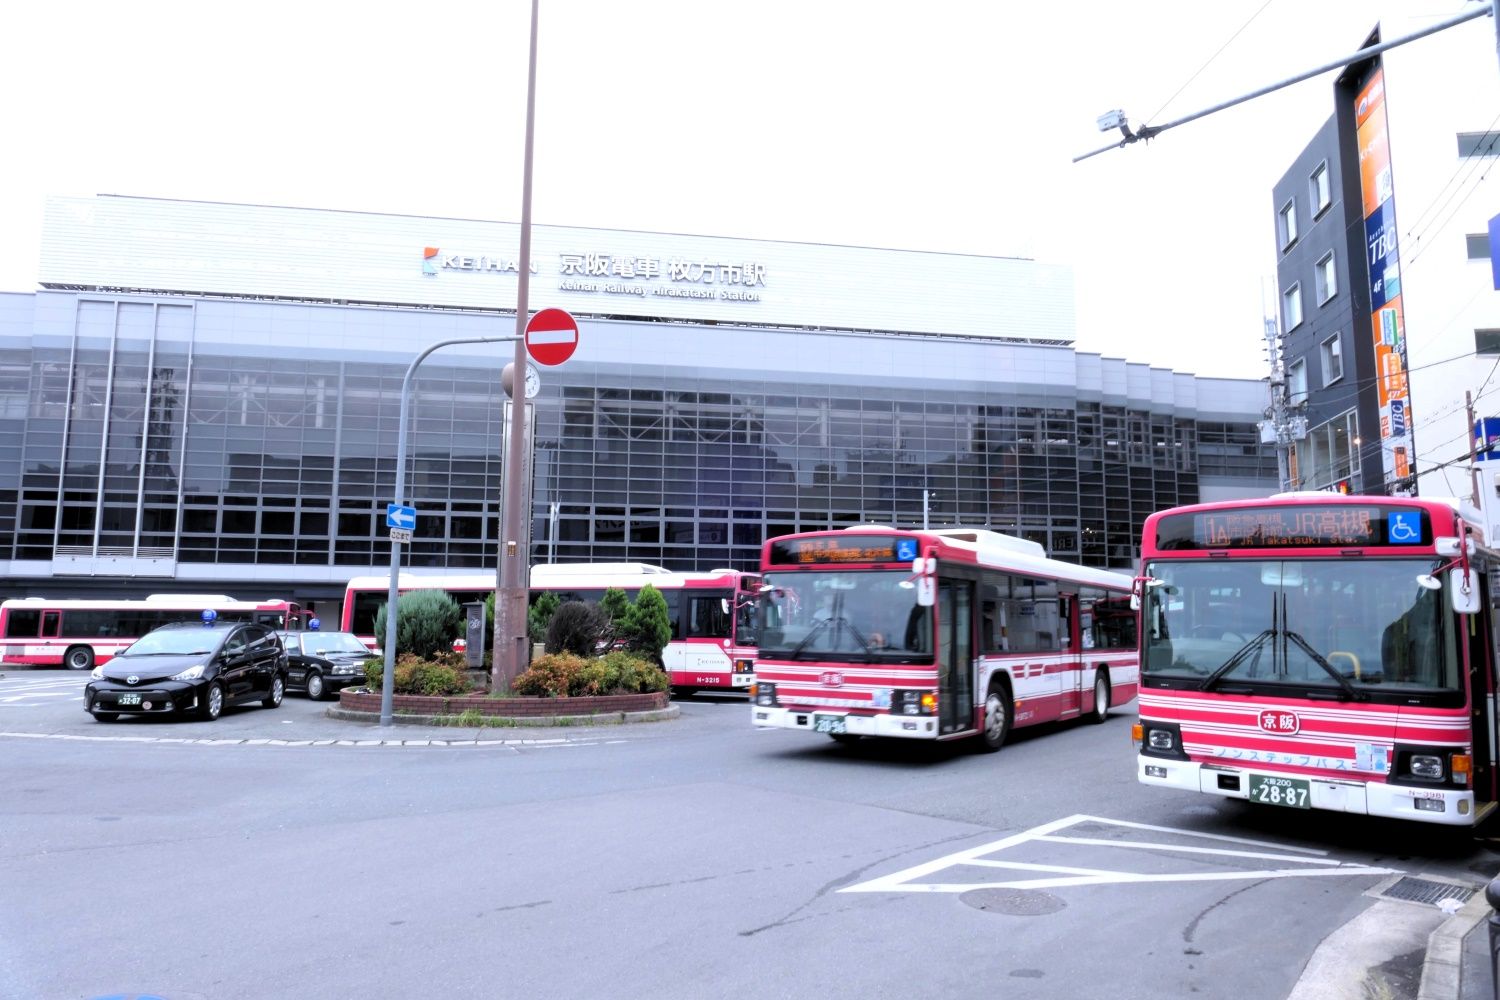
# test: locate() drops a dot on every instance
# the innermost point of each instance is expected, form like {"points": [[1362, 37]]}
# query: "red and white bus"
{"points": [[936, 635], [1320, 651], [712, 613], [79, 634]]}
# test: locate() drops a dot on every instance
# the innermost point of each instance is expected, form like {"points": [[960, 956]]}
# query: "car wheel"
{"points": [[315, 685], [106, 716], [213, 702], [997, 712], [277, 692], [1101, 699], [79, 658]]}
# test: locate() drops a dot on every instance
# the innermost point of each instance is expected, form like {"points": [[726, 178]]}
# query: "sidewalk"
{"points": [[1476, 978]]}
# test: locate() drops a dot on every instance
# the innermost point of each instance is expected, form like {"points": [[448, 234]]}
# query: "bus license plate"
{"points": [[1279, 791], [829, 724], [130, 699]]}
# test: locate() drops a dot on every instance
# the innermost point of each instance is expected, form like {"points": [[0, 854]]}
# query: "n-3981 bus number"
{"points": [[1279, 791]]}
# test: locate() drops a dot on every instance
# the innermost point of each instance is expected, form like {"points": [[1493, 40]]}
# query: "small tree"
{"points": [[646, 627], [615, 604], [539, 615], [427, 622], [577, 628]]}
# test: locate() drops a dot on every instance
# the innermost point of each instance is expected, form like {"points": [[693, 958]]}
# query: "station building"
{"points": [[205, 397]]}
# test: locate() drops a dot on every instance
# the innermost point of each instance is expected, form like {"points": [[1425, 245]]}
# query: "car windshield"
{"points": [[845, 615], [329, 643], [176, 641], [1350, 628]]}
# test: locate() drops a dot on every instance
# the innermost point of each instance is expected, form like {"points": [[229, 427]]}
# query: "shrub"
{"points": [[549, 676], [647, 626], [577, 628], [615, 604], [427, 622], [539, 615], [632, 674], [414, 675]]}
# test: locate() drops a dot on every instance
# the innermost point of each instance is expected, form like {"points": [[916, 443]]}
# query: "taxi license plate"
{"points": [[829, 724], [1279, 791], [129, 699]]}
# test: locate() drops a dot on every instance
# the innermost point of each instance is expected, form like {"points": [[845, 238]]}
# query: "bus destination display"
{"points": [[851, 549], [1347, 525]]}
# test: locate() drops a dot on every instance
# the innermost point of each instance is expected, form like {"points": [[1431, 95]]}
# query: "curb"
{"points": [[1443, 967], [511, 721]]}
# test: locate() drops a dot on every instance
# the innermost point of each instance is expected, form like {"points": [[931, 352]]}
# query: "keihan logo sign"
{"points": [[435, 260]]}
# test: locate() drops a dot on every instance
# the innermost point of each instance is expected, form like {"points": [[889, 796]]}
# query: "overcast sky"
{"points": [[948, 126]]}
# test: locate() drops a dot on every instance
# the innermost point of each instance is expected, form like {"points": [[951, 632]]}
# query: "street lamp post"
{"points": [[388, 677]]}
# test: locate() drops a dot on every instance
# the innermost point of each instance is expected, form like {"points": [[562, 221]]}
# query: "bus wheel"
{"points": [[997, 712], [79, 658], [1101, 699]]}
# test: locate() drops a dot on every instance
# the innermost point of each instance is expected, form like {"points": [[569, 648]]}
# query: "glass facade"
{"points": [[144, 435]]}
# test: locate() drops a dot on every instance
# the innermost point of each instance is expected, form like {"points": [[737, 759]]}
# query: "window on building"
{"points": [[1291, 308], [1286, 224], [1333, 360], [1329, 455], [1319, 189], [1479, 246], [1325, 280], [1296, 382], [1479, 144], [1487, 341]]}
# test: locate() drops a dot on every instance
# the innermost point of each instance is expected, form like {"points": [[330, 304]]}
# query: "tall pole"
{"points": [[510, 598]]}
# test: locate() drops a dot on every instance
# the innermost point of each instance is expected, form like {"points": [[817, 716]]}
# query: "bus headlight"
{"points": [[1425, 765], [765, 694], [1160, 739]]}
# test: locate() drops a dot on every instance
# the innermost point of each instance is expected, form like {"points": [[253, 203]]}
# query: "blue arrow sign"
{"points": [[399, 516]]}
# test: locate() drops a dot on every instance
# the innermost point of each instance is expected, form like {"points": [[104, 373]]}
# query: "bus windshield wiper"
{"points": [[1349, 689], [1235, 660], [818, 626]]}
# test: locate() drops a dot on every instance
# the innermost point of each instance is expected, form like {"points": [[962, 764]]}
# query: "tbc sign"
{"points": [[551, 337]]}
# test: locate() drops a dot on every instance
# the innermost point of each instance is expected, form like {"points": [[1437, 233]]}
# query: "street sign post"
{"points": [[551, 337]]}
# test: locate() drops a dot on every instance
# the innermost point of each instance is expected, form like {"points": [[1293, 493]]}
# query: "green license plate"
{"points": [[829, 724], [1279, 791]]}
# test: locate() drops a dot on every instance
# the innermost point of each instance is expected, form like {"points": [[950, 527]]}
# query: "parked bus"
{"points": [[936, 635], [712, 613], [1320, 651], [79, 634]]}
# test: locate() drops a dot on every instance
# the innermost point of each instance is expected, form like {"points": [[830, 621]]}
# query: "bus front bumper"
{"points": [[1449, 807], [911, 727]]}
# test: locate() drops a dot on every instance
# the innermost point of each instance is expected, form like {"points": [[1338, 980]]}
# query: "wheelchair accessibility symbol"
{"points": [[1404, 527]]}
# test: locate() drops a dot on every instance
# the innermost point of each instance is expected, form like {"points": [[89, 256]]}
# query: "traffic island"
{"points": [[479, 710]]}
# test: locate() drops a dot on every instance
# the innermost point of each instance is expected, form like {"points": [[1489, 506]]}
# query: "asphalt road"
{"points": [[278, 853]]}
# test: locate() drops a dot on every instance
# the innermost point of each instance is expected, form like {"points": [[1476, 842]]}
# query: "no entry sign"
{"points": [[551, 337]]}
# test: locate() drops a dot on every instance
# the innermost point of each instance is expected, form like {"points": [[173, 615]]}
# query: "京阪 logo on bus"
{"points": [[1283, 723], [832, 678]]}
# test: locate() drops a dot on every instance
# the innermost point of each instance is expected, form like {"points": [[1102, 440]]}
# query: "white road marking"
{"points": [[551, 744], [1299, 862]]}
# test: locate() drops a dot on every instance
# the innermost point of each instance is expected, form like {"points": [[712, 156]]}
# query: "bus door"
{"points": [[955, 655], [1483, 658]]}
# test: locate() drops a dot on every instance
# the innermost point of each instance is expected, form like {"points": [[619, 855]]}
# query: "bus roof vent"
{"points": [[206, 598], [600, 569], [984, 538], [722, 569], [869, 527]]}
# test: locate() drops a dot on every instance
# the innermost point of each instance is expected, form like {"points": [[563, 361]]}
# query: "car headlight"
{"points": [[190, 674], [98, 674]]}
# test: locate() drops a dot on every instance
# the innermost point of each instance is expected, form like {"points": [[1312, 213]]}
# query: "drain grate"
{"points": [[1424, 890]]}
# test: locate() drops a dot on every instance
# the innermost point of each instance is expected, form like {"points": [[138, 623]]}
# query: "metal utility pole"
{"points": [[511, 634], [1280, 427]]}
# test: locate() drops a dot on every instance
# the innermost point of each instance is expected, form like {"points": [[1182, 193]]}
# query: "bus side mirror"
{"points": [[925, 568], [1463, 588]]}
